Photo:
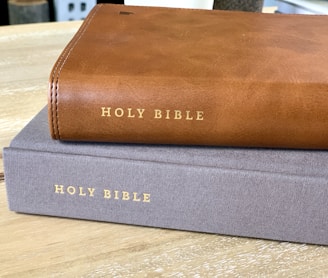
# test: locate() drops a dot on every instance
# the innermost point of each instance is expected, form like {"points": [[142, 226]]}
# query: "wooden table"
{"points": [[39, 246]]}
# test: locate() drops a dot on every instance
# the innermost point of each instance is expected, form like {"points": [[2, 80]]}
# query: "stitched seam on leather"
{"points": [[53, 116], [53, 94], [61, 64], [51, 105]]}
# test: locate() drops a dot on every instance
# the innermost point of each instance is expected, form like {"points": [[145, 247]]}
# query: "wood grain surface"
{"points": [[40, 246]]}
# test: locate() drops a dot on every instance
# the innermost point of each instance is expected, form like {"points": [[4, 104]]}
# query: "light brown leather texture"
{"points": [[183, 76]]}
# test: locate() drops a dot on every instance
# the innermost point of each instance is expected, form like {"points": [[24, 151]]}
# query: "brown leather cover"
{"points": [[180, 76]]}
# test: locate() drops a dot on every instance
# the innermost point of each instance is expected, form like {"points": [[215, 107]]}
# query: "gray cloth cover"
{"points": [[261, 193]]}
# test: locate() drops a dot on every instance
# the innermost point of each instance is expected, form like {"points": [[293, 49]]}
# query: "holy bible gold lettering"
{"points": [[108, 194], [139, 113]]}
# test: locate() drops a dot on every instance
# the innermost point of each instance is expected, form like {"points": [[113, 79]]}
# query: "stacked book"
{"points": [[208, 121]]}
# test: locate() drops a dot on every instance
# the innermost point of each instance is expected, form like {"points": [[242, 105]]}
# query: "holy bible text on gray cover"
{"points": [[261, 193]]}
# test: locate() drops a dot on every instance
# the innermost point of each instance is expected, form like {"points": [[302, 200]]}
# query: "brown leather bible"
{"points": [[183, 76]]}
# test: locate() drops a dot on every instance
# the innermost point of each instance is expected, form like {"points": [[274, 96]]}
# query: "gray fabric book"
{"points": [[261, 193]]}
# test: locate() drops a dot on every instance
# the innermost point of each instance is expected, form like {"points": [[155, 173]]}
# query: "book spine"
{"points": [[277, 117], [204, 199]]}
